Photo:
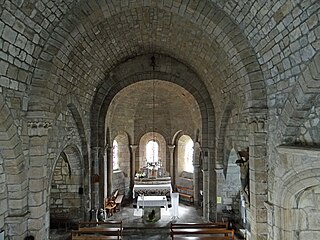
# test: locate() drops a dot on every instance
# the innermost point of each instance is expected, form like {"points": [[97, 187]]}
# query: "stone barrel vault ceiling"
{"points": [[94, 37]]}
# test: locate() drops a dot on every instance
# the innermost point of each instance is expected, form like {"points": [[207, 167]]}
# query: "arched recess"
{"points": [[13, 177], [121, 176], [162, 151], [293, 179], [228, 189], [184, 175], [67, 197], [182, 164], [70, 103]]}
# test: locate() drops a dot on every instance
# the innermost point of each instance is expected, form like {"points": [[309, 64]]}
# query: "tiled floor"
{"points": [[135, 227]]}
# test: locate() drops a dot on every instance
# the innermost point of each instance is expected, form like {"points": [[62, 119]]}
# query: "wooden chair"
{"points": [[109, 206]]}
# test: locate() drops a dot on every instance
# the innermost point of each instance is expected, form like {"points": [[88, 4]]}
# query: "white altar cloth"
{"points": [[152, 189], [152, 201]]}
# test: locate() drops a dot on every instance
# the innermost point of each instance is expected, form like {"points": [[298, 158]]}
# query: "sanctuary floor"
{"points": [[136, 228]]}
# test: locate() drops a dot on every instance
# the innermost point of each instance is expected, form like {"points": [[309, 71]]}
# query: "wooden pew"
{"points": [[185, 193], [118, 202], [198, 231], [98, 230]]}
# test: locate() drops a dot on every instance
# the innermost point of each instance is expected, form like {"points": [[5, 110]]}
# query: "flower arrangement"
{"points": [[154, 164], [140, 174]]}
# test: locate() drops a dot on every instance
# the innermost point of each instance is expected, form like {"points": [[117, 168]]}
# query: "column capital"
{"points": [[39, 127], [134, 146], [95, 149], [171, 147]]}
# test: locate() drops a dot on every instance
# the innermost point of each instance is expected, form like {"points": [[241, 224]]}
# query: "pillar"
{"points": [[38, 192], [196, 171], [95, 178], [109, 170], [258, 177], [172, 165], [133, 164], [205, 172]]}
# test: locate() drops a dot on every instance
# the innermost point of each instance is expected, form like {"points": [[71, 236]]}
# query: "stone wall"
{"points": [[262, 53]]}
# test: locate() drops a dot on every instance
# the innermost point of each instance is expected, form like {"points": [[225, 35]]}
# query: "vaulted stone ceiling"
{"points": [[153, 106], [85, 40]]}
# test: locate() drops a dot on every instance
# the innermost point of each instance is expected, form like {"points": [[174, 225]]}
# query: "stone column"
{"points": [[220, 182], [196, 171], [109, 171], [205, 172], [133, 164], [95, 178], [38, 200], [258, 177], [212, 186], [172, 165]]}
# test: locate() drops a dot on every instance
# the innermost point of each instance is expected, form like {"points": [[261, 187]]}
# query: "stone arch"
{"points": [[13, 173], [220, 155], [66, 189], [142, 71], [228, 188], [301, 99], [72, 104], [292, 179]]}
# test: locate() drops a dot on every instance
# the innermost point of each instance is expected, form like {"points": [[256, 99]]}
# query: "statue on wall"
{"points": [[243, 163]]}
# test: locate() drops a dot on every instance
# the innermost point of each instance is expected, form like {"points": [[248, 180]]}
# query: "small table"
{"points": [[151, 206]]}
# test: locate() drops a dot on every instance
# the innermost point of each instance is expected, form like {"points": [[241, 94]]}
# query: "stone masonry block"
{"points": [[36, 185], [7, 17], [37, 211], [9, 34]]}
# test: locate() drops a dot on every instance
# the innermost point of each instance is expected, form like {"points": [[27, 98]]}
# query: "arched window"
{"points": [[189, 156], [115, 155], [152, 149]]}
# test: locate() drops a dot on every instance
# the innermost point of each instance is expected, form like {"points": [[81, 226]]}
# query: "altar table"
{"points": [[152, 189], [152, 201]]}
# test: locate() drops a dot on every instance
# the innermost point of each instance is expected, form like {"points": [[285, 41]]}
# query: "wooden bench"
{"points": [[98, 230], [201, 231], [185, 193], [118, 202]]}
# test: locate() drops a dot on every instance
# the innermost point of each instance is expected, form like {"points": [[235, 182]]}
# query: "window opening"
{"points": [[115, 155], [189, 156], [152, 150]]}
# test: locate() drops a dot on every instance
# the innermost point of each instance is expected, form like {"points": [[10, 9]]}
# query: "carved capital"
{"points": [[39, 128], [257, 123]]}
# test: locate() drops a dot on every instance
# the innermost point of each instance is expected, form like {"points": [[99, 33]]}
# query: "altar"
{"points": [[152, 190]]}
